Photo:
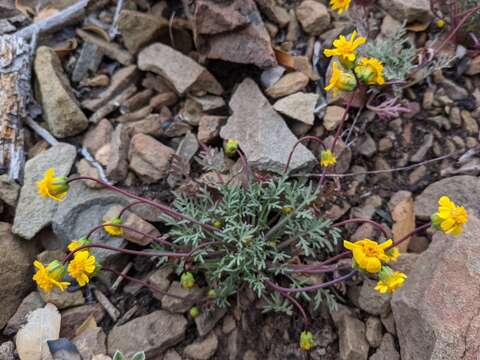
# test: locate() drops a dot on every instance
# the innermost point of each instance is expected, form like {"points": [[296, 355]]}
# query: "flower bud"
{"points": [[306, 340], [187, 281], [194, 312], [230, 147]]}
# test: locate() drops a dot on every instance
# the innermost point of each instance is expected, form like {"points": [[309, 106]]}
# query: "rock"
{"points": [[117, 166], [353, 345], [190, 297], [474, 66], [373, 331], [261, 132], [152, 333], [387, 350], [120, 80], [179, 70], [88, 61], [333, 117], [408, 10], [403, 215], [209, 103], [274, 12], [90, 342], [160, 280], [60, 108], [74, 317], [434, 327], [206, 321], [299, 106], [209, 128], [232, 31], [202, 349], [452, 89], [343, 154], [367, 147], [98, 136], [9, 190], [34, 212], [17, 270], [424, 148], [172, 355], [188, 147], [7, 350], [149, 158], [228, 324], [469, 123], [152, 125], [62, 299], [313, 16], [390, 25], [31, 302], [85, 168], [288, 84], [84, 209], [42, 325], [138, 29], [417, 175], [464, 190], [389, 323], [372, 301]]}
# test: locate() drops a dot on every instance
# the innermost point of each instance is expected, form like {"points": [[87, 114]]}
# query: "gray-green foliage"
{"points": [[242, 256], [395, 52], [137, 356]]}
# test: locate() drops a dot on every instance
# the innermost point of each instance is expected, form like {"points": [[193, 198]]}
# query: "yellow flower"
{"points": [[450, 218], [306, 340], [341, 80], [389, 280], [440, 23], [340, 5], [49, 277], [75, 244], [114, 230], [187, 281], [345, 49], [82, 267], [53, 187], [370, 71], [230, 147], [369, 254], [327, 158], [287, 210], [393, 254]]}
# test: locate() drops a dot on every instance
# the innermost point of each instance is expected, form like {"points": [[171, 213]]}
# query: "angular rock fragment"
{"points": [[299, 106]]}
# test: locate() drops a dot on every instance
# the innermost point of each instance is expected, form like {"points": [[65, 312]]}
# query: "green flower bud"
{"points": [[230, 147], [187, 281], [194, 312]]}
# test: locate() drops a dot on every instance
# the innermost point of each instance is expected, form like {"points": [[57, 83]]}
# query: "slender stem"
{"points": [[297, 304], [353, 221], [246, 171], [305, 138], [313, 287], [126, 227], [411, 233], [135, 203], [164, 208]]}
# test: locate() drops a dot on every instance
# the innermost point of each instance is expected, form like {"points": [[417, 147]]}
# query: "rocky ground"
{"points": [[131, 98]]}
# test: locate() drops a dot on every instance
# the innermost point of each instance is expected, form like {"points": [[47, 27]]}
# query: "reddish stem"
{"points": [[411, 233], [244, 161], [305, 138], [294, 302], [128, 207]]}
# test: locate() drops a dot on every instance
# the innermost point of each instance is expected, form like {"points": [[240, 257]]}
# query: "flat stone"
{"points": [[387, 350], [333, 117], [171, 355], [31, 302], [353, 344], [117, 165], [34, 212], [90, 342], [190, 297], [62, 299], [372, 301], [98, 136], [288, 84], [373, 331], [160, 280], [16, 277], [149, 158], [408, 10], [202, 349], [261, 132], [9, 190], [368, 146], [209, 102], [299, 106], [74, 317], [313, 16], [60, 108], [189, 146], [209, 128], [206, 321], [153, 333], [431, 324], [232, 31], [152, 125], [464, 190], [88, 61], [179, 70]]}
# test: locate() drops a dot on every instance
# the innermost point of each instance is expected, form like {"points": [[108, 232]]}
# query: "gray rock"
{"points": [[368, 146], [288, 84], [7, 350], [353, 344], [313, 16], [190, 297], [34, 212], [373, 331], [179, 70], [9, 190], [189, 146], [160, 279], [206, 321], [117, 166], [90, 342], [31, 302], [63, 299], [422, 151], [171, 355], [299, 106], [60, 108], [431, 323], [261, 132], [372, 301], [88, 61], [152, 333], [464, 190], [408, 10], [387, 350], [202, 349], [209, 128], [17, 270], [209, 102], [74, 317], [84, 210], [389, 323]]}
